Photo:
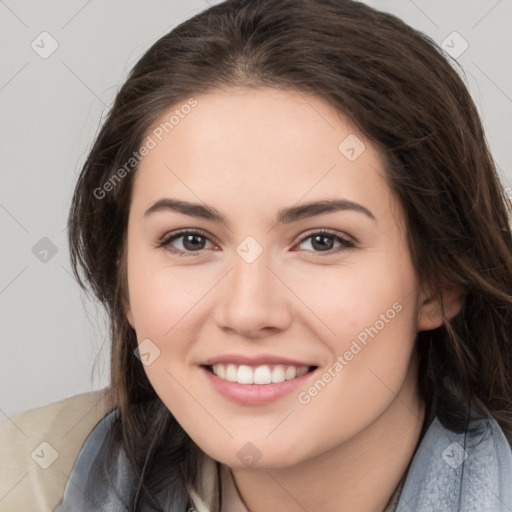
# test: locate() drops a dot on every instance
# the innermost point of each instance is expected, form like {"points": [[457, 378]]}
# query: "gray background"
{"points": [[53, 339]]}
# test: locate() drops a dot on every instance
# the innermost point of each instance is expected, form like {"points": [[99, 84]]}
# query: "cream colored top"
{"points": [[38, 449]]}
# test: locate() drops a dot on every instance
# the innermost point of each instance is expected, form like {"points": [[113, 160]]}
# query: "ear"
{"points": [[430, 308]]}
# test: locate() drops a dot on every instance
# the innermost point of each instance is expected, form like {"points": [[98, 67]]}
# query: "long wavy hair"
{"points": [[399, 89]]}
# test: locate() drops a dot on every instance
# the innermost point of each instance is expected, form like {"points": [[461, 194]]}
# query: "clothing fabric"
{"points": [[39, 446], [469, 471]]}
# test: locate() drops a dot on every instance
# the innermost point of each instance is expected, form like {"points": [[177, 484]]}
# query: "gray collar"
{"points": [[460, 472]]}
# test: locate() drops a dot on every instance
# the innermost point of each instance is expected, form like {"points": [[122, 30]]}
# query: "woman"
{"points": [[294, 221]]}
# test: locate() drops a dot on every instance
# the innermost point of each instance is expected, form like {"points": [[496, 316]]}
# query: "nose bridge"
{"points": [[254, 298], [251, 285], [250, 274]]}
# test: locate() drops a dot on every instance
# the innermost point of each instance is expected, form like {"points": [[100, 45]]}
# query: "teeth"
{"points": [[264, 374], [278, 374], [291, 372], [231, 373]]}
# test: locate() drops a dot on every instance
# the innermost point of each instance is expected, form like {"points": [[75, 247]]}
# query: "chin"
{"points": [[247, 455]]}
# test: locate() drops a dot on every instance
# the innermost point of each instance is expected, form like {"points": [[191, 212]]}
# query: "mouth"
{"points": [[259, 375]]}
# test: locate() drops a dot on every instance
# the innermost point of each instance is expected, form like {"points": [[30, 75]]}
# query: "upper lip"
{"points": [[254, 360]]}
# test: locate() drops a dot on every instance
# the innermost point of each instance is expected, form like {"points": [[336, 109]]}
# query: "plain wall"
{"points": [[54, 340]]}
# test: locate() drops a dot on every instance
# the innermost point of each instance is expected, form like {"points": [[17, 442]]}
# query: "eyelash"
{"points": [[166, 240]]}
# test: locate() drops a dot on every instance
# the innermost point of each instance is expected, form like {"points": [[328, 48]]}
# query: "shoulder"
{"points": [[461, 471], [39, 448], [88, 484]]}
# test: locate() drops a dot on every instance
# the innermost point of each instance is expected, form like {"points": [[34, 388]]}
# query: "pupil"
{"points": [[320, 245], [189, 239]]}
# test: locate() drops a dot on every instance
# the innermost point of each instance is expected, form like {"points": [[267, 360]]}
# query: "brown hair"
{"points": [[395, 85]]}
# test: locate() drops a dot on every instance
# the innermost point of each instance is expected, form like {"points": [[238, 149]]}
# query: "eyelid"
{"points": [[167, 237], [326, 231], [349, 242]]}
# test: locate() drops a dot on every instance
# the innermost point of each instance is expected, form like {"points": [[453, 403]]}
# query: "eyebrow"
{"points": [[285, 216]]}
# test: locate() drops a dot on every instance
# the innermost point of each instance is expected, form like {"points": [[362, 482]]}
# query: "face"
{"points": [[329, 288]]}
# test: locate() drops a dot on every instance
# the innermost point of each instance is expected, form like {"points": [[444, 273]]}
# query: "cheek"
{"points": [[371, 319], [169, 303], [347, 299], [150, 298], [162, 300], [156, 292], [368, 317]]}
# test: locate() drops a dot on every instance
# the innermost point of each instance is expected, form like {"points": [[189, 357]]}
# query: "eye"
{"points": [[323, 241], [193, 242]]}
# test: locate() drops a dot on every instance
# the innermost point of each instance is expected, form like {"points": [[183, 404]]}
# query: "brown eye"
{"points": [[324, 241], [192, 241]]}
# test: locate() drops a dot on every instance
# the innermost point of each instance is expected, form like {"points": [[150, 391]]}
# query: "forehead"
{"points": [[258, 145]]}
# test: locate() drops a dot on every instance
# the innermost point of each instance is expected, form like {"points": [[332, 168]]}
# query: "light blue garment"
{"points": [[466, 472], [450, 472], [79, 494]]}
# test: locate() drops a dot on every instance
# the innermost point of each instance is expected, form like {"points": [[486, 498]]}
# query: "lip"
{"points": [[254, 394], [258, 360]]}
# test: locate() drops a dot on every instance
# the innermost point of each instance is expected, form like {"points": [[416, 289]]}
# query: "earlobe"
{"points": [[430, 311]]}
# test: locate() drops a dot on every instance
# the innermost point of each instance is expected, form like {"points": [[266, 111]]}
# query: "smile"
{"points": [[251, 385], [263, 374]]}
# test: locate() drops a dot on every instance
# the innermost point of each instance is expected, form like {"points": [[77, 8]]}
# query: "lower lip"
{"points": [[254, 394]]}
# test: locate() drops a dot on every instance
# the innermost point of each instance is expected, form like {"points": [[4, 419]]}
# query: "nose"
{"points": [[255, 299]]}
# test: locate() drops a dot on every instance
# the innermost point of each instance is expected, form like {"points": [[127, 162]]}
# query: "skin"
{"points": [[249, 153]]}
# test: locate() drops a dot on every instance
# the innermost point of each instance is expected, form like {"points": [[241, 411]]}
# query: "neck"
{"points": [[361, 473]]}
